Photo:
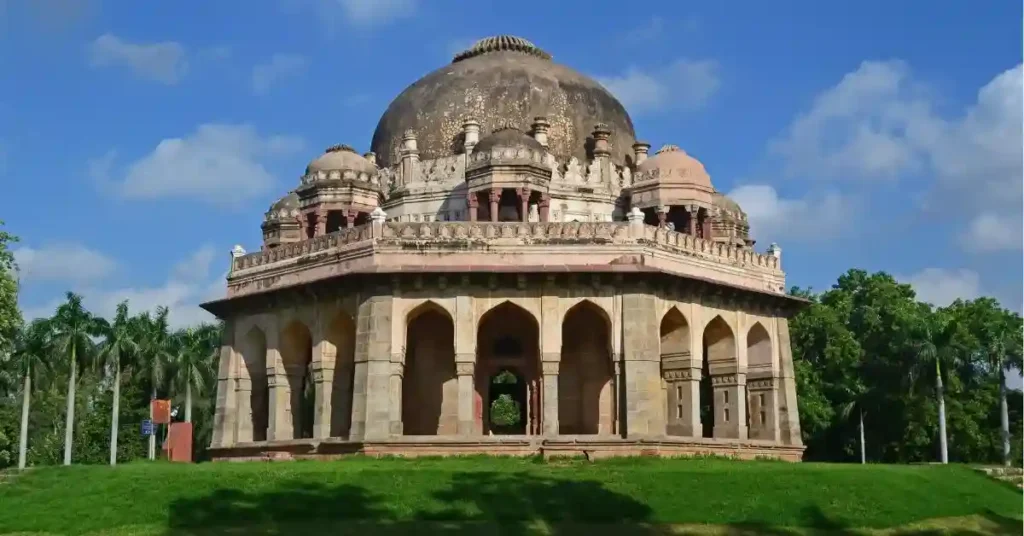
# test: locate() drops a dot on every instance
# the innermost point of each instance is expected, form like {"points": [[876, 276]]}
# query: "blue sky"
{"points": [[139, 141]]}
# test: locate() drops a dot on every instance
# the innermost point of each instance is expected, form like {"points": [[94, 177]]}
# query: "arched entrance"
{"points": [[430, 389], [720, 403], [508, 339], [506, 403], [340, 339], [586, 403], [677, 388], [761, 412], [297, 357]]}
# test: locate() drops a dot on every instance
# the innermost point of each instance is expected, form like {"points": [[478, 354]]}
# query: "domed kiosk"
{"points": [[506, 271]]}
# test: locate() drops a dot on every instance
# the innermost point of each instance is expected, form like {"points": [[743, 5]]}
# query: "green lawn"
{"points": [[506, 496]]}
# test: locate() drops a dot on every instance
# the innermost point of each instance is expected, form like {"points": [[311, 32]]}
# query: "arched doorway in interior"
{"points": [[254, 405], [506, 403], [430, 389], [508, 339], [719, 406], [586, 401]]}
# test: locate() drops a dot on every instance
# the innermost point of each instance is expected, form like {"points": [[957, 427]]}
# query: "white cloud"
{"points": [[182, 293], [160, 62], [941, 287], [774, 218], [685, 84], [280, 66], [878, 122], [219, 164], [356, 12], [63, 262]]}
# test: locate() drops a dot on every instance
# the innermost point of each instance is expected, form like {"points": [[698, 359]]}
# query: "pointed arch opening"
{"points": [[297, 359], [508, 340], [586, 403], [340, 342], [718, 404], [430, 391], [675, 367], [253, 405]]}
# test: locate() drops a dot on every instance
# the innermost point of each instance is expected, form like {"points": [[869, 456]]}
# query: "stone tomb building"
{"points": [[506, 241]]}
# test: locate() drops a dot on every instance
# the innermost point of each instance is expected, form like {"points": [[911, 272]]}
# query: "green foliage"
{"points": [[504, 411], [868, 345]]}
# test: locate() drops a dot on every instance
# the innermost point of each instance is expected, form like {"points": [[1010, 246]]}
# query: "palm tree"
{"points": [[154, 356], [30, 352], [74, 328], [119, 346], [192, 358]]}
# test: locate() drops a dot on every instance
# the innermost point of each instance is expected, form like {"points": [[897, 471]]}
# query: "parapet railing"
{"points": [[560, 233]]}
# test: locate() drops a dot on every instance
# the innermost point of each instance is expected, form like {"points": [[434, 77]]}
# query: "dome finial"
{"points": [[501, 43]]}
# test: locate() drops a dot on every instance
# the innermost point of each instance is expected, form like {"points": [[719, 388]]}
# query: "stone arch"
{"points": [[759, 348], [296, 358], [721, 406], [339, 345], [676, 373], [429, 384], [508, 338], [586, 402], [254, 405]]}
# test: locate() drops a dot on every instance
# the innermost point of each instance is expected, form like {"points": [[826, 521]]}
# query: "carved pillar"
{"points": [[321, 223], [730, 405], [789, 419], [705, 225], [323, 383], [764, 408], [303, 220], [371, 382], [243, 416], [350, 218], [682, 379], [395, 394], [640, 150], [616, 392], [467, 420], [295, 376], [495, 196], [524, 204], [693, 211], [279, 418], [549, 369], [544, 207], [641, 359], [472, 204], [226, 408], [662, 216]]}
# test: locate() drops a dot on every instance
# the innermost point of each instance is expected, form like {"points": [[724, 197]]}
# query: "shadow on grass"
{"points": [[512, 504]]}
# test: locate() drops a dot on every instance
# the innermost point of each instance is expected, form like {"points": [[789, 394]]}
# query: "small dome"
{"points": [[723, 202], [499, 43], [672, 165], [508, 137], [287, 206], [341, 158]]}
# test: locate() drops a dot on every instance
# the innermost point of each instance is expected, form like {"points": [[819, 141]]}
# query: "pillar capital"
{"points": [[549, 368], [465, 369]]}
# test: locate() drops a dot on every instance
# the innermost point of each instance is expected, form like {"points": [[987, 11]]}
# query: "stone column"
{"points": [[464, 371], [471, 134], [764, 408], [410, 156], [540, 128], [640, 150], [371, 386], [549, 369], [730, 392], [544, 208], [682, 416], [495, 197], [323, 383], [693, 211], [789, 419], [395, 394], [641, 341], [279, 418], [226, 409], [472, 205], [350, 218], [617, 393], [296, 374], [321, 223], [524, 204], [243, 415], [662, 216], [705, 225]]}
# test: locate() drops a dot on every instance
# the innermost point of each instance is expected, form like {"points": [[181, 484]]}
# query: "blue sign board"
{"points": [[147, 427]]}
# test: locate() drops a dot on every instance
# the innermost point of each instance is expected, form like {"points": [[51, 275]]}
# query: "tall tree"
{"points": [[118, 348], [30, 351], [74, 329], [155, 357], [10, 315], [192, 358]]}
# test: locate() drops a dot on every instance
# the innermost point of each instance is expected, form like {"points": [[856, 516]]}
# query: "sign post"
{"points": [[147, 428]]}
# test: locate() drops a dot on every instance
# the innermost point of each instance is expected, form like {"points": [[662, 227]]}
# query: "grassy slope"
{"points": [[509, 493]]}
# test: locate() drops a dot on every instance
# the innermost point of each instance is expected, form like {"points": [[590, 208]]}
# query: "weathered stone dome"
{"points": [[508, 137], [341, 158], [286, 207], [498, 81], [726, 203]]}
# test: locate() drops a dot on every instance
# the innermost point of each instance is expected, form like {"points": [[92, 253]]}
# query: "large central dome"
{"points": [[502, 81]]}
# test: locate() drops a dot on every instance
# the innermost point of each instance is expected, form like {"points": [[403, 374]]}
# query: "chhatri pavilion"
{"points": [[507, 270]]}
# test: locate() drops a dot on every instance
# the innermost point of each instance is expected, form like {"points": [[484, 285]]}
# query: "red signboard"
{"points": [[179, 442], [161, 411]]}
